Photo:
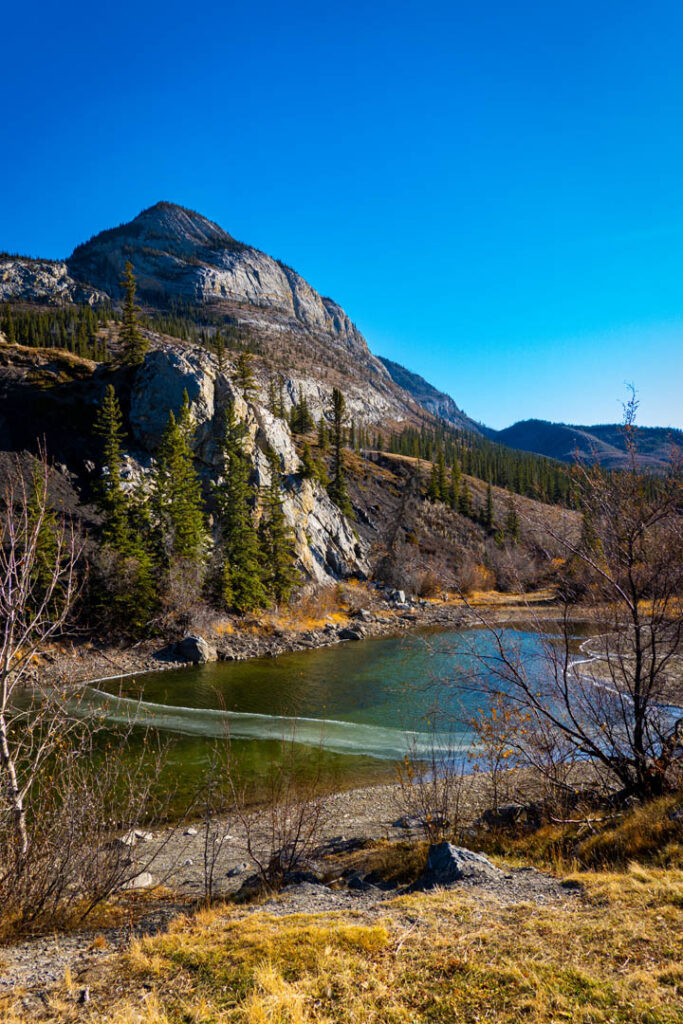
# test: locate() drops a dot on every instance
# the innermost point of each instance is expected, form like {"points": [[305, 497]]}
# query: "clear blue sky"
{"points": [[492, 190]]}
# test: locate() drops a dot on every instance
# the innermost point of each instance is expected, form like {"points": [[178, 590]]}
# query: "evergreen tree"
{"points": [[8, 326], [111, 498], [454, 490], [277, 541], [272, 397], [442, 482], [337, 489], [433, 488], [219, 345], [465, 501], [281, 397], [309, 470], [241, 577], [177, 495], [244, 376], [323, 435], [134, 599], [488, 511], [300, 419], [134, 346], [512, 522]]}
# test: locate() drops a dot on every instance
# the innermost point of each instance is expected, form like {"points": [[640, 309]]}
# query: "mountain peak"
{"points": [[173, 221]]}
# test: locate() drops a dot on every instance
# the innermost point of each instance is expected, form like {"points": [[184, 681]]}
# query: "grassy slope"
{"points": [[611, 954], [614, 955]]}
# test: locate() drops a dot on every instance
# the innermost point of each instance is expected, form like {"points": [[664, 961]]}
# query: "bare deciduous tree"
{"points": [[38, 586], [625, 577]]}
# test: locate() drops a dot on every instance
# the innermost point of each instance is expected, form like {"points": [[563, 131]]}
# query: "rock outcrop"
{"points": [[43, 281], [326, 545], [437, 402]]}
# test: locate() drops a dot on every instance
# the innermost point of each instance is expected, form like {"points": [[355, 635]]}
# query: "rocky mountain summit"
{"points": [[178, 254], [185, 262]]}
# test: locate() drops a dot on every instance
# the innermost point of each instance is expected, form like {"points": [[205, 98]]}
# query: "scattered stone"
{"points": [[190, 832], [239, 869], [510, 815], [351, 633], [142, 881], [144, 837]]}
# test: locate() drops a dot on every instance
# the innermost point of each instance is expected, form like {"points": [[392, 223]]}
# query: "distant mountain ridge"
{"points": [[603, 443]]}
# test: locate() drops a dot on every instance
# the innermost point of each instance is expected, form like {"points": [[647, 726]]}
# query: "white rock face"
{"points": [[43, 280], [177, 253], [159, 385], [326, 545]]}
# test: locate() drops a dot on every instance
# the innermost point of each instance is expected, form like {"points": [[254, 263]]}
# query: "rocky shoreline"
{"points": [[95, 660]]}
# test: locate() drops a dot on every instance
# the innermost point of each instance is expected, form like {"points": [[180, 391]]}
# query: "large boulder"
{"points": [[196, 650], [447, 864]]}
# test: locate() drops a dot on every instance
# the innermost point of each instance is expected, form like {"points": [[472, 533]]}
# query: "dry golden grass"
{"points": [[612, 956]]}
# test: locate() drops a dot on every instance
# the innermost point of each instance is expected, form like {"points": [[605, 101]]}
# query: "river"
{"points": [[361, 706]]}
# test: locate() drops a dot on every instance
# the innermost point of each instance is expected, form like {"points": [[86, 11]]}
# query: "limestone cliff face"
{"points": [[42, 281], [178, 254], [326, 545]]}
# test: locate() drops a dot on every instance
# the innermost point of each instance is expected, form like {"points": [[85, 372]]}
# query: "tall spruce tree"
{"points": [[277, 540], [309, 470], [110, 496], [512, 521], [133, 345], [454, 490], [242, 588], [244, 376], [177, 495], [219, 346], [337, 488], [433, 488], [442, 477], [488, 509], [465, 501], [8, 326]]}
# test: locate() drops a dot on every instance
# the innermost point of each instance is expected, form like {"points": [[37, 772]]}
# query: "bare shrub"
{"points": [[515, 569], [180, 597], [465, 574], [282, 835], [498, 730], [428, 583], [316, 602], [430, 794]]}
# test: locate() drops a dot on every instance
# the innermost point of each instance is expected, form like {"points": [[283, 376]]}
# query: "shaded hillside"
{"points": [[429, 397], [603, 443]]}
